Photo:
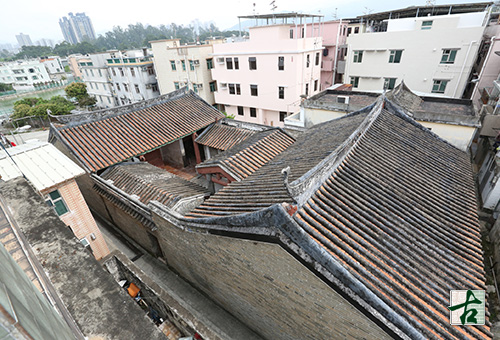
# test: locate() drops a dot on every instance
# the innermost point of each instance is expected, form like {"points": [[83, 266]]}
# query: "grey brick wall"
{"points": [[263, 286]]}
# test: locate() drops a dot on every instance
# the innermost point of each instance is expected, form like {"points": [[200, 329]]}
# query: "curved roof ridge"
{"points": [[307, 184], [94, 116]]}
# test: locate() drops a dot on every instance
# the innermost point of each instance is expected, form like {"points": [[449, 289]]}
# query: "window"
{"points": [[236, 64], [112, 71], [282, 116], [389, 83], [303, 32], [118, 86], [151, 71], [132, 71], [213, 86], [426, 25], [395, 56], [92, 72], [307, 89], [176, 85], [183, 62], [210, 63], [97, 86], [281, 92], [349, 30], [125, 87], [91, 86], [34, 77], [137, 90], [316, 85], [31, 70], [100, 73], [317, 59], [253, 112], [191, 66], [195, 88], [439, 86], [358, 56], [154, 87], [109, 100], [229, 63], [281, 63], [308, 60], [356, 30], [291, 33], [55, 200], [241, 112], [252, 63], [234, 89], [448, 56], [172, 65], [121, 72], [253, 90], [355, 82]]}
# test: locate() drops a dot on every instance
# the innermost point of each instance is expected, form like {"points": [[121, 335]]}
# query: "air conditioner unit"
{"points": [[178, 61], [148, 86], [343, 99], [196, 62], [200, 86], [220, 60], [144, 69], [223, 86], [185, 81]]}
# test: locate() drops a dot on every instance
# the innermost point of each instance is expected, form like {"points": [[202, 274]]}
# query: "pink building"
{"points": [[264, 79], [334, 34]]}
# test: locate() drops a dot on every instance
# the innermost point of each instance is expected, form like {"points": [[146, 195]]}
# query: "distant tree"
{"points": [[5, 87], [34, 52], [79, 91], [38, 107]]}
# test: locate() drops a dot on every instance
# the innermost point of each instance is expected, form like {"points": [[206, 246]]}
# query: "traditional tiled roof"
{"points": [[127, 132], [222, 136], [399, 213], [265, 186], [245, 158], [149, 183], [383, 204]]}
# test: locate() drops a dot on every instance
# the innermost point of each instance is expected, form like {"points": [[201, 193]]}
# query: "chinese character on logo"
{"points": [[467, 307]]}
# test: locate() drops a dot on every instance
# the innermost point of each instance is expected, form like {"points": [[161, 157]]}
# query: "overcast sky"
{"points": [[40, 19]]}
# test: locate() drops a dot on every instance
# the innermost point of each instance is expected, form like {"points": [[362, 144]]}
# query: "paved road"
{"points": [[21, 138]]}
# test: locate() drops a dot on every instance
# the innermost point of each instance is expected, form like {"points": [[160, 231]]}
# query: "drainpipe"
{"points": [[336, 53], [492, 40], [463, 67]]}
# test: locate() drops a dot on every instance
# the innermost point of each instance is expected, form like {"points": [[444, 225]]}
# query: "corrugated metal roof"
{"points": [[223, 137], [111, 140], [42, 164]]}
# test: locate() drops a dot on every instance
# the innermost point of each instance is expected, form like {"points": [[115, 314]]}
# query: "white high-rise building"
{"points": [[432, 49]]}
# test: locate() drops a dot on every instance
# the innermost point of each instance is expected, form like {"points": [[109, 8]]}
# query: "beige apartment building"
{"points": [[179, 65]]}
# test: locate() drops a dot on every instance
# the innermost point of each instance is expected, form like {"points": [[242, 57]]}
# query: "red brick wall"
{"points": [[81, 220]]}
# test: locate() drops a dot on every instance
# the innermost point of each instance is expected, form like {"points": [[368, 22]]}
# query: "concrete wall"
{"points": [[173, 153], [422, 51], [460, 136], [263, 286], [164, 52]]}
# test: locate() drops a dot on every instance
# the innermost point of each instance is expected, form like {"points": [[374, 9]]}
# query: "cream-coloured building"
{"points": [[179, 65], [454, 120], [432, 51]]}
